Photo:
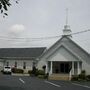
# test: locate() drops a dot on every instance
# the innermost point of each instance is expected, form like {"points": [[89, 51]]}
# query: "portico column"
{"points": [[78, 68], [46, 67], [51, 68], [72, 68]]}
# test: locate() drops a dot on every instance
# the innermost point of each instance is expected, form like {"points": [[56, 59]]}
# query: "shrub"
{"points": [[41, 76], [17, 70], [74, 78], [88, 77], [82, 75], [2, 71], [13, 70], [29, 71], [83, 72], [46, 76], [40, 72], [36, 72]]}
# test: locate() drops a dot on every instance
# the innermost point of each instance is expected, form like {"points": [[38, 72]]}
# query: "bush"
{"points": [[88, 77], [41, 76], [29, 71], [17, 70], [83, 72], [82, 75], [40, 72], [36, 72], [2, 71], [74, 78]]}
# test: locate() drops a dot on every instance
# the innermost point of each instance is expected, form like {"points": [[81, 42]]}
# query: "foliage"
{"points": [[4, 4], [2, 71], [17, 70], [29, 71], [74, 78], [36, 72], [40, 72], [41, 76], [82, 75], [88, 77], [33, 72], [45, 76]]}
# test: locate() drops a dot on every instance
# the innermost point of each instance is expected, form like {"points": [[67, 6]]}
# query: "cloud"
{"points": [[17, 28]]}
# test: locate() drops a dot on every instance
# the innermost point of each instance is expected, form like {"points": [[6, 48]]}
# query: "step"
{"points": [[59, 77]]}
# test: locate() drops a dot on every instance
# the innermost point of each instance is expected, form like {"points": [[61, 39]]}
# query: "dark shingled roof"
{"points": [[21, 52]]}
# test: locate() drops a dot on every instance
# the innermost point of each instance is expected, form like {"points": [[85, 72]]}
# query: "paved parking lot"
{"points": [[8, 82]]}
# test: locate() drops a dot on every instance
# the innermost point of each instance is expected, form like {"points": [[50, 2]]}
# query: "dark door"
{"points": [[64, 67]]}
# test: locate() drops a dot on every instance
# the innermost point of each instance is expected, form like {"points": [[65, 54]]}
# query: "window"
{"points": [[7, 63], [15, 64], [24, 65]]}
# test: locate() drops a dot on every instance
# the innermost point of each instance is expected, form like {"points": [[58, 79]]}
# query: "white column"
{"points": [[51, 68], [46, 67], [70, 75], [78, 68], [72, 68]]}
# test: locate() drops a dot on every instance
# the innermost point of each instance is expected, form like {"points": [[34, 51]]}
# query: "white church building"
{"points": [[63, 59]]}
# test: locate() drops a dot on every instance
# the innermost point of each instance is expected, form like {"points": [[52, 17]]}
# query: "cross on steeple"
{"points": [[67, 31], [66, 16]]}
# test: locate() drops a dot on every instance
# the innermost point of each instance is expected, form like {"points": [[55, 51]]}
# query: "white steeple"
{"points": [[67, 31]]}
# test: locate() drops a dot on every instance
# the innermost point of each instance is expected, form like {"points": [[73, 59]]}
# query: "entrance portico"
{"points": [[64, 67]]}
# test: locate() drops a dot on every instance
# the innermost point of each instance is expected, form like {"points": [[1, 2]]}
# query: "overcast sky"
{"points": [[44, 18]]}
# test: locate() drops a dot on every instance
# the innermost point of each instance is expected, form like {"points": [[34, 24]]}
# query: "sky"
{"points": [[44, 18]]}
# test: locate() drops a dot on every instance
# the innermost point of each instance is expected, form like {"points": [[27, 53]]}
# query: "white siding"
{"points": [[29, 63], [62, 54], [41, 63], [86, 67], [66, 50]]}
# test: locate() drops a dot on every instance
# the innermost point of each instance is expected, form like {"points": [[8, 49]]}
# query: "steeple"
{"points": [[67, 31]]}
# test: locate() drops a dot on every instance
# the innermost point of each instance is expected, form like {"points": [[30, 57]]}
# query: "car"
{"points": [[7, 70]]}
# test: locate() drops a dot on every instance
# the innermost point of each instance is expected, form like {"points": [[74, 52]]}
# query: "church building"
{"points": [[65, 58]]}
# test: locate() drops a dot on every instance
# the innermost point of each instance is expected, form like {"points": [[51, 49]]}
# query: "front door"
{"points": [[64, 67], [61, 67]]}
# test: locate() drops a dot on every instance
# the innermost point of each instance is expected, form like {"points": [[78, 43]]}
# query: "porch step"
{"points": [[59, 77]]}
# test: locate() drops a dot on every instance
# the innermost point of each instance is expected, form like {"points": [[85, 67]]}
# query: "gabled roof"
{"points": [[73, 47], [21, 52]]}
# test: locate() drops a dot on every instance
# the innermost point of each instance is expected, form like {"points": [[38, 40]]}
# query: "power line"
{"points": [[40, 38], [81, 32]]}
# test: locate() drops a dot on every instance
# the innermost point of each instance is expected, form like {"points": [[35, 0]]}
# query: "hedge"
{"points": [[17, 70]]}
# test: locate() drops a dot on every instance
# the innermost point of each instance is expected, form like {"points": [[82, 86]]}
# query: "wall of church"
{"points": [[20, 63], [86, 67]]}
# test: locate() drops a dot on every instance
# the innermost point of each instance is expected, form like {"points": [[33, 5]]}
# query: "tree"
{"points": [[4, 5]]}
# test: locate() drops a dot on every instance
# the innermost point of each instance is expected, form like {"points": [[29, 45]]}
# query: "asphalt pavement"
{"points": [[8, 82]]}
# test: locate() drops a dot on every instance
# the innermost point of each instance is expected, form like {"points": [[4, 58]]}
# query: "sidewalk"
{"points": [[17, 74]]}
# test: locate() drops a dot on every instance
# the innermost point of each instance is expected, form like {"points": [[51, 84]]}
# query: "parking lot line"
{"points": [[80, 85], [52, 84], [21, 80]]}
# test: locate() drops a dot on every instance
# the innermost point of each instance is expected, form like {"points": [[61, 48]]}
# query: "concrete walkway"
{"points": [[17, 74]]}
